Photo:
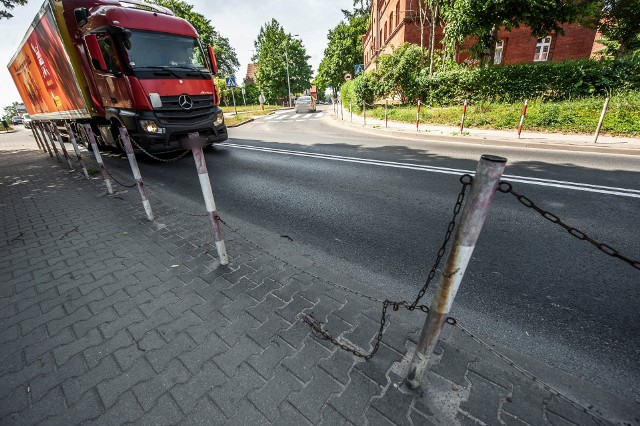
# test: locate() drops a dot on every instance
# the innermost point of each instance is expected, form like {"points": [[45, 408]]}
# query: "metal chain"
{"points": [[171, 160], [528, 374], [507, 188], [316, 326], [118, 182], [465, 180]]}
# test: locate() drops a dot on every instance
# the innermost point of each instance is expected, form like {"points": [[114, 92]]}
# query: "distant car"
{"points": [[16, 120], [26, 120], [305, 103]]}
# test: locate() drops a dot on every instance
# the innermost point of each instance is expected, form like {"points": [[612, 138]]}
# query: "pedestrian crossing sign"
{"points": [[231, 82]]}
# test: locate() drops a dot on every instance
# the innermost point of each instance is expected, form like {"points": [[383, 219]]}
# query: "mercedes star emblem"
{"points": [[185, 101]]}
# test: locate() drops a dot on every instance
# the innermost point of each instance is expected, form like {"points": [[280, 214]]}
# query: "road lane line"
{"points": [[577, 186]]}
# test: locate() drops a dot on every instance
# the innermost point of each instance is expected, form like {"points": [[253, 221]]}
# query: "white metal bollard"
{"points": [[364, 113], [604, 111], [64, 149], [126, 142], [464, 114], [418, 117], [524, 113], [474, 213], [72, 138], [49, 134], [207, 193], [96, 152], [386, 111]]}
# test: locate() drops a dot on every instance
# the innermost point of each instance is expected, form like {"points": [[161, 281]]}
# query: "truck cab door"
{"points": [[111, 82]]}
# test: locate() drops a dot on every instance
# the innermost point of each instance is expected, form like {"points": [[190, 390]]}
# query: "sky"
{"points": [[239, 21]]}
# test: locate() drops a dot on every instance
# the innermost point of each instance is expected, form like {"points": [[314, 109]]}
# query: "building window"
{"points": [[385, 32], [497, 57], [398, 13], [542, 49], [390, 22]]}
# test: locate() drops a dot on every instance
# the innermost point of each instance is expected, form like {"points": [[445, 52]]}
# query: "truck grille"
{"points": [[172, 113]]}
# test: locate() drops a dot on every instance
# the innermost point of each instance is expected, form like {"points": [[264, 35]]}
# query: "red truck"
{"points": [[115, 63]]}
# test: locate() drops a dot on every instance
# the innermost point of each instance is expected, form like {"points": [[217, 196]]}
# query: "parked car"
{"points": [[305, 103], [16, 119], [26, 120]]}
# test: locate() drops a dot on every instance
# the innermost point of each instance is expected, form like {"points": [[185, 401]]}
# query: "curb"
{"points": [[484, 142]]}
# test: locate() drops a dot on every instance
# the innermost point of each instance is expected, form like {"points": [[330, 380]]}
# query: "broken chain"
{"points": [[316, 325], [507, 188]]}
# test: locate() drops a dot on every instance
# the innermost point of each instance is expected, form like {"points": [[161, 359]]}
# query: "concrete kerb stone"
{"points": [[601, 148]]}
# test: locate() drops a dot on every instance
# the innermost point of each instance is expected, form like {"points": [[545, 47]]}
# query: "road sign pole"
{"points": [[244, 100], [234, 101], [474, 213]]}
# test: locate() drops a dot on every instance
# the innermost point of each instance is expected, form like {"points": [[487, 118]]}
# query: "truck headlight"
{"points": [[219, 118], [151, 126]]}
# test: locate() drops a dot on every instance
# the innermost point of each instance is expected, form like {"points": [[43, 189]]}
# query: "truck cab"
{"points": [[145, 70]]}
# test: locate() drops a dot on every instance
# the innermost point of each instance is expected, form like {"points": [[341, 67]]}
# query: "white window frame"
{"points": [[543, 47], [497, 57]]}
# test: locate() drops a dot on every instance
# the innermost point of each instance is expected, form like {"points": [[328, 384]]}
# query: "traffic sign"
{"points": [[358, 69], [231, 82], [347, 77]]}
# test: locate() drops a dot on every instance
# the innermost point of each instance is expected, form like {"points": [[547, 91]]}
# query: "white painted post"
{"points": [[386, 108], [474, 213], [604, 111], [96, 152], [126, 142], [418, 116], [351, 108], [464, 114], [524, 113], [39, 127], [72, 138], [207, 193], [64, 149], [364, 113], [49, 134]]}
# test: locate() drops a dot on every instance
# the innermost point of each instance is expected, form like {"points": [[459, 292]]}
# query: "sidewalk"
{"points": [[107, 318], [528, 139]]}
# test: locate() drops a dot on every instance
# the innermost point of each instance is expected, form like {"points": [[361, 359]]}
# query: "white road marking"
{"points": [[576, 186]]}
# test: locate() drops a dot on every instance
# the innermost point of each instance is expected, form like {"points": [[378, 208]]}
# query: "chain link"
{"points": [[316, 326], [507, 188], [171, 160], [118, 182]]}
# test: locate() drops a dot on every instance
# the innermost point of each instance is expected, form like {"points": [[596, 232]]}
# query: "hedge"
{"points": [[548, 81]]}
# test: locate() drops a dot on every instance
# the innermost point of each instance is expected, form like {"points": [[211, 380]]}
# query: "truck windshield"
{"points": [[150, 49]]}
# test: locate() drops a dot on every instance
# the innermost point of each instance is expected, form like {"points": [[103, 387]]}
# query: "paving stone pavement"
{"points": [[107, 318]]}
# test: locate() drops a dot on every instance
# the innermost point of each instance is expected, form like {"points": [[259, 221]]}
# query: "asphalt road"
{"points": [[376, 208]]}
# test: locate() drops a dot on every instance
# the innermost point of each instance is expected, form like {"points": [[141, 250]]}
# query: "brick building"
{"points": [[394, 22]]}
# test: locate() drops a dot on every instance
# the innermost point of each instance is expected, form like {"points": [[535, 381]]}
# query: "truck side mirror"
{"points": [[97, 59], [212, 58], [82, 16]]}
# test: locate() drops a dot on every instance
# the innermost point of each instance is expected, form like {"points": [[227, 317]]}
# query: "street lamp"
{"points": [[286, 58]]}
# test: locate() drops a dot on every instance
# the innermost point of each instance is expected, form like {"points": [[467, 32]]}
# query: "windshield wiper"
{"points": [[202, 73], [163, 68]]}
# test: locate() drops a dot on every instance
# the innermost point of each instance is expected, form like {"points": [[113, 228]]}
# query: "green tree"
{"points": [[398, 73], [274, 50], [8, 5], [225, 54], [620, 24], [10, 111], [482, 19], [343, 51]]}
